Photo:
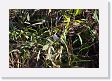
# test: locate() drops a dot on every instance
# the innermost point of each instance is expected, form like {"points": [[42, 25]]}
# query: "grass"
{"points": [[32, 41]]}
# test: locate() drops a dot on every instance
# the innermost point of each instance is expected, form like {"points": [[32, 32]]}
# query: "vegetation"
{"points": [[53, 38]]}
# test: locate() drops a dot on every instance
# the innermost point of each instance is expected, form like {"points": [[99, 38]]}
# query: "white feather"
{"points": [[55, 37]]}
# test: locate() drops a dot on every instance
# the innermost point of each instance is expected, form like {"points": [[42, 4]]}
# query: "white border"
{"points": [[102, 71]]}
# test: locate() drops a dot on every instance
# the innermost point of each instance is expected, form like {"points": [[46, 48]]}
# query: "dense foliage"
{"points": [[53, 38]]}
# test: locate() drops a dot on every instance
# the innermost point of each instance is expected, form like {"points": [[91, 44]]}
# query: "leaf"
{"points": [[38, 56], [67, 18], [26, 37], [45, 47], [77, 12], [79, 21], [61, 49], [37, 23], [21, 31], [75, 41], [51, 42], [52, 48], [27, 23], [31, 44], [48, 53], [31, 29], [28, 17], [64, 36], [87, 47], [80, 38], [49, 11], [95, 16]]}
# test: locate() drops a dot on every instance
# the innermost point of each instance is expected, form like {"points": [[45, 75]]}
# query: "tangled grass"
{"points": [[54, 38]]}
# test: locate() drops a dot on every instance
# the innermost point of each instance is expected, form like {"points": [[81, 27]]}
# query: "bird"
{"points": [[56, 36]]}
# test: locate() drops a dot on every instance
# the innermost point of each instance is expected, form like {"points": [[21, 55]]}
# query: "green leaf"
{"points": [[64, 34], [33, 30], [78, 11], [79, 21], [45, 47], [26, 37], [51, 42], [95, 16], [80, 38], [87, 47], [31, 44], [75, 41], [22, 31], [28, 17], [67, 18]]}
